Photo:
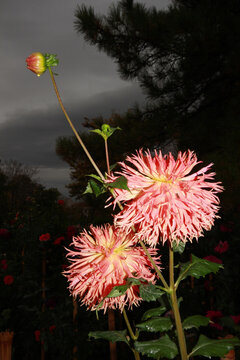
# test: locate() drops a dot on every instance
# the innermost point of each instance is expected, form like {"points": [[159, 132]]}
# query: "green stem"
{"points": [[98, 170], [107, 156], [131, 333], [154, 265], [72, 126], [175, 308]]}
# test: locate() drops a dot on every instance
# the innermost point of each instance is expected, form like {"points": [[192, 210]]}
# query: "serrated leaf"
{"points": [[153, 313], [178, 247], [161, 348], [197, 268], [211, 347], [135, 281], [153, 325], [119, 183], [150, 292], [195, 321], [112, 336], [96, 177], [94, 188], [118, 291]]}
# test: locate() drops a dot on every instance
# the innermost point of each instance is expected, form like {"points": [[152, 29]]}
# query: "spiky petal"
{"points": [[103, 258], [165, 201]]}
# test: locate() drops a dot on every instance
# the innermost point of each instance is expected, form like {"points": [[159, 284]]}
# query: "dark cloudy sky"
{"points": [[30, 117]]}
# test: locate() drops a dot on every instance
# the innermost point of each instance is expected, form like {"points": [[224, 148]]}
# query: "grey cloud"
{"points": [[29, 137]]}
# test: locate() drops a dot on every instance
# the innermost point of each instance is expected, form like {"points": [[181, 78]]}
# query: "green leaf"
{"points": [[96, 177], [153, 313], [94, 188], [134, 281], [161, 348], [119, 183], [154, 325], [197, 268], [195, 321], [150, 292], [106, 131], [99, 132], [210, 347], [118, 290], [178, 247], [112, 336]]}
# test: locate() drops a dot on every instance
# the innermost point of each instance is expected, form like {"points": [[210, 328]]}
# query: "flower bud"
{"points": [[36, 62]]}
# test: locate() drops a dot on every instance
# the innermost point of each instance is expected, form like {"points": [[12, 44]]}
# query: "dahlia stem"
{"points": [[175, 308], [131, 333], [107, 156], [73, 128], [154, 265], [97, 168]]}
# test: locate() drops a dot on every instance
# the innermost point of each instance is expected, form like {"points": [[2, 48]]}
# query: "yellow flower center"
{"points": [[162, 179]]}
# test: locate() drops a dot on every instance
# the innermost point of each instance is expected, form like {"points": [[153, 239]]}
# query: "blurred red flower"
{"points": [[45, 237], [59, 240], [4, 233], [3, 264], [236, 319], [221, 247], [52, 328], [213, 258], [8, 279], [60, 202], [214, 316], [37, 334]]}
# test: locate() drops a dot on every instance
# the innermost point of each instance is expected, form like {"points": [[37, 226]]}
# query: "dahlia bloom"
{"points": [[166, 201], [221, 247], [8, 279], [36, 62], [103, 258], [45, 237]]}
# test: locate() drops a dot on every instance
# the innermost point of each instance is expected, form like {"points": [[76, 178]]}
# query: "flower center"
{"points": [[162, 179]]}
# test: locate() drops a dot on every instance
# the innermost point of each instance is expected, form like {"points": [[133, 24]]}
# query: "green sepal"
{"points": [[178, 247], [211, 347], [150, 292], [195, 321], [197, 268], [119, 183], [106, 131], [112, 336], [51, 60], [154, 325], [156, 349], [152, 313]]}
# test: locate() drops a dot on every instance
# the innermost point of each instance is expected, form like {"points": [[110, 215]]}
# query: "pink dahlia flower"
{"points": [[103, 258], [166, 201]]}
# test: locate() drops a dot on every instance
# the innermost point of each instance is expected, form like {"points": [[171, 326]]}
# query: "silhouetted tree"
{"points": [[186, 59]]}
